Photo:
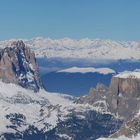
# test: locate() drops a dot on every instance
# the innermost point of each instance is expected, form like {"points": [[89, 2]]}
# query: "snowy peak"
{"points": [[88, 70], [18, 65]]}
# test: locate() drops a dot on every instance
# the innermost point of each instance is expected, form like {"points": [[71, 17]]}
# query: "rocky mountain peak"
{"points": [[18, 65]]}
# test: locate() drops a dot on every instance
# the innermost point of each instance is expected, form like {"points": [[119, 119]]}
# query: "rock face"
{"points": [[18, 65], [124, 96], [129, 87]]}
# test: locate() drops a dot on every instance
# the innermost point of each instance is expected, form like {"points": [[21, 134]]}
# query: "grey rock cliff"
{"points": [[18, 65], [124, 96], [129, 87]]}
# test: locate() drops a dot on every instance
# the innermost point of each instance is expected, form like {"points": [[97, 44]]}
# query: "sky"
{"points": [[103, 19]]}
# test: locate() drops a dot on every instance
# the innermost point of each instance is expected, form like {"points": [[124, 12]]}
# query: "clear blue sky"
{"points": [[105, 19]]}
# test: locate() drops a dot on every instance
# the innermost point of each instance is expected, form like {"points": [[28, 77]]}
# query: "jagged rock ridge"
{"points": [[18, 65]]}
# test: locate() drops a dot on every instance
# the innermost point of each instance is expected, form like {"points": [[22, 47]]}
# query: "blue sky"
{"points": [[105, 19]]}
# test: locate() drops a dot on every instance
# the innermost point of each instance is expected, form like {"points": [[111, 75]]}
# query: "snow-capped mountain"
{"points": [[28, 115], [43, 115], [105, 112], [82, 49]]}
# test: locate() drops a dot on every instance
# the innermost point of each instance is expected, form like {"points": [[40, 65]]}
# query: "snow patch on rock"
{"points": [[129, 74]]}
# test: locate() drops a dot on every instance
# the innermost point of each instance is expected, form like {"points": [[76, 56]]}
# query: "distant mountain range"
{"points": [[82, 49]]}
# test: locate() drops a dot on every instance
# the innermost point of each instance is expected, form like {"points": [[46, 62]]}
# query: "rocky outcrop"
{"points": [[124, 96], [18, 65], [129, 87], [121, 98]]}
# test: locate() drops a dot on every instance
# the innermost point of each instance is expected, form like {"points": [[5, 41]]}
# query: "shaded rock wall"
{"points": [[18, 65]]}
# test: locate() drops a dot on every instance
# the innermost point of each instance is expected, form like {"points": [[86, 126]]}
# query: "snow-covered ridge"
{"points": [[84, 48], [88, 70], [129, 74]]}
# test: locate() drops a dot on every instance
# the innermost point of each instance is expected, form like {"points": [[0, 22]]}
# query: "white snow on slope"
{"points": [[14, 99], [121, 138], [87, 70], [39, 108], [129, 74], [82, 49]]}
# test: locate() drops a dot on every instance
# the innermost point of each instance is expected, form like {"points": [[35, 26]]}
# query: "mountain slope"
{"points": [[26, 115]]}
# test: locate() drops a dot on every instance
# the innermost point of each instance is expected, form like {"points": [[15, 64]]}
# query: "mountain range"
{"points": [[81, 49], [29, 112]]}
